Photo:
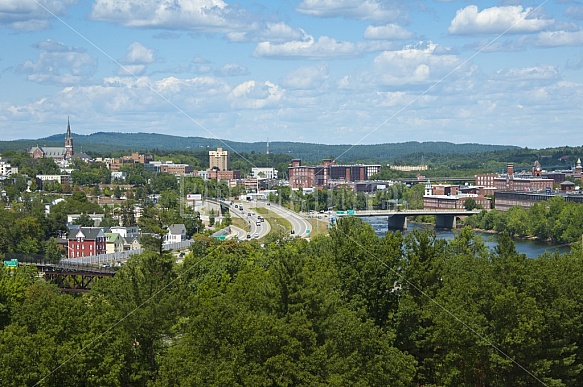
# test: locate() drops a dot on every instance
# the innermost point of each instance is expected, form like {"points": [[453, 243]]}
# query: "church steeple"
{"points": [[68, 129], [68, 141]]}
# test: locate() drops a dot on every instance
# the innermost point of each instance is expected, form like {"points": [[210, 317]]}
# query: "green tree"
{"points": [[212, 218], [53, 252], [84, 220]]}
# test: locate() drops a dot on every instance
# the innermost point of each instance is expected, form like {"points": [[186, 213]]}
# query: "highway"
{"points": [[301, 227], [257, 229]]}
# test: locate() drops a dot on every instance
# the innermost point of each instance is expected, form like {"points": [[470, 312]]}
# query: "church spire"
{"points": [[68, 129], [68, 141]]}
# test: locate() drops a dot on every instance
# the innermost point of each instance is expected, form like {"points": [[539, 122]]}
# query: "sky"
{"points": [[323, 71]]}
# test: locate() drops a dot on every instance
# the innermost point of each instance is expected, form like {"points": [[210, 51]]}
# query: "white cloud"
{"points": [[194, 15], [353, 9], [231, 70], [280, 32], [496, 20], [389, 31], [414, 65], [254, 95], [322, 48], [59, 64], [136, 60], [30, 15], [306, 78], [560, 38], [530, 73], [137, 53]]}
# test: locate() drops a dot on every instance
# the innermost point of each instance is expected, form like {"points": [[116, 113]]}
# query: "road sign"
{"points": [[221, 237], [11, 263], [350, 212], [307, 231], [340, 212]]}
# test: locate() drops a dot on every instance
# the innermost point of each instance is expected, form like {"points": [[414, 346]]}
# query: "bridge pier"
{"points": [[397, 222], [445, 221]]}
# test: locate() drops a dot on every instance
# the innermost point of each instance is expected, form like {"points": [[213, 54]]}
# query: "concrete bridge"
{"points": [[397, 220]]}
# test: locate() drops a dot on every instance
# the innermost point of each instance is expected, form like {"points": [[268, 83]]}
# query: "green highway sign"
{"points": [[340, 212], [221, 237], [350, 212], [11, 263]]}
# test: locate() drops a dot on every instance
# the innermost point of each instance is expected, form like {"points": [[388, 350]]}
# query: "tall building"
{"points": [[219, 159]]}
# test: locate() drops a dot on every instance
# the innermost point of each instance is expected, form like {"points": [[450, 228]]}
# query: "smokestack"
{"points": [[510, 169]]}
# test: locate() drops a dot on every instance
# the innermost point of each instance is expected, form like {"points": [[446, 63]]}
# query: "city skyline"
{"points": [[318, 71]]}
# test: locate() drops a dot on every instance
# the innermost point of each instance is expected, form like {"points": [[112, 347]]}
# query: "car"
{"points": [[236, 206], [105, 265], [258, 223], [292, 231], [256, 235], [181, 254], [248, 236]]}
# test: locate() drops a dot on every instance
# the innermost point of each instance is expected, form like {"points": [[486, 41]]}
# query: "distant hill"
{"points": [[103, 142]]}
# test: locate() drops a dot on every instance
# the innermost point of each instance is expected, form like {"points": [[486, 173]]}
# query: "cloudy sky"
{"points": [[326, 71]]}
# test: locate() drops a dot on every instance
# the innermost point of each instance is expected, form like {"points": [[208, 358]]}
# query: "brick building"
{"points": [[85, 241], [303, 176]]}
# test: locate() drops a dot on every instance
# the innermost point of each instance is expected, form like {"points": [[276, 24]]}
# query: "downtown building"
{"points": [[328, 174]]}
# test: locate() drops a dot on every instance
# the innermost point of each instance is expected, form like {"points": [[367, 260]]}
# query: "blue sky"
{"points": [[325, 71]]}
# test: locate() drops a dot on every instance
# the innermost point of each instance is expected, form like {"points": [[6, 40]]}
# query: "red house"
{"points": [[86, 241]]}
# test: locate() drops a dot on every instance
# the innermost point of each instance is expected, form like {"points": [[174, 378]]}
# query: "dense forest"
{"points": [[348, 309], [102, 143]]}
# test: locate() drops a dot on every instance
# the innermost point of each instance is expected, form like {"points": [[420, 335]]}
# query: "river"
{"points": [[530, 248]]}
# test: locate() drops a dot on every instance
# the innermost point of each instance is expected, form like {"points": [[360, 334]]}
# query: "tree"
{"points": [[53, 252], [227, 221], [153, 229], [84, 220], [212, 218], [470, 204]]}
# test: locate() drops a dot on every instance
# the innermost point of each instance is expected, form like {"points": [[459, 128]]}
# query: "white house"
{"points": [[176, 233]]}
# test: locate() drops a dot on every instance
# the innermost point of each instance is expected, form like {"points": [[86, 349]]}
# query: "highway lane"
{"points": [[301, 227], [257, 229]]}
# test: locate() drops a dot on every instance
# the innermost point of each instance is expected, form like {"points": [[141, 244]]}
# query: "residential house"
{"points": [[85, 241], [176, 233], [132, 243], [114, 242]]}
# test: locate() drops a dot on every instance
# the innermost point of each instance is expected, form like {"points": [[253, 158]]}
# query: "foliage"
{"points": [[555, 220], [348, 309]]}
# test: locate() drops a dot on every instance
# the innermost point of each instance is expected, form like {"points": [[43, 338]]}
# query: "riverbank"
{"points": [[531, 248]]}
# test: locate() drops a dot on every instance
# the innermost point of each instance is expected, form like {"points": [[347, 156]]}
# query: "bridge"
{"points": [[397, 220], [68, 276]]}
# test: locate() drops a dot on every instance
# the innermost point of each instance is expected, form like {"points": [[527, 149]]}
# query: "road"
{"points": [[257, 229], [301, 227]]}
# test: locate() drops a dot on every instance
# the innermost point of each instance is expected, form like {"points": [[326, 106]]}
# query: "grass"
{"points": [[318, 227], [241, 223], [276, 222]]}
